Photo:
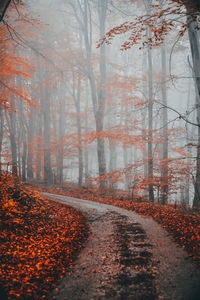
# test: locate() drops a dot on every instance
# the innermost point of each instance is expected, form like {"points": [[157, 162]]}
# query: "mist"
{"points": [[107, 116]]}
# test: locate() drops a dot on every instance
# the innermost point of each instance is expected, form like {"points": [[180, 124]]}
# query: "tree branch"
{"points": [[180, 115]]}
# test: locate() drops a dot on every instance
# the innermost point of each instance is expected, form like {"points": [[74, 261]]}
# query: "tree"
{"points": [[164, 163], [148, 5], [119, 105], [77, 102], [82, 12], [194, 37], [160, 24]]}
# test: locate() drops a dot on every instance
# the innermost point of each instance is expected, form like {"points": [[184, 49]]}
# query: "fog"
{"points": [[101, 116]]}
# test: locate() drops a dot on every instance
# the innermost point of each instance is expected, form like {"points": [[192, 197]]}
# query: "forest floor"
{"points": [[39, 240], [127, 256]]}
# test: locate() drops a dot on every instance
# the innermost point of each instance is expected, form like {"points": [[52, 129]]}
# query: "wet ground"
{"points": [[126, 257]]}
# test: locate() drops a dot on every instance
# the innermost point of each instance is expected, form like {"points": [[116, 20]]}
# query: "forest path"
{"points": [[126, 257]]}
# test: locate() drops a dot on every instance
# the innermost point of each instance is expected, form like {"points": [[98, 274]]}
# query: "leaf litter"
{"points": [[38, 241]]}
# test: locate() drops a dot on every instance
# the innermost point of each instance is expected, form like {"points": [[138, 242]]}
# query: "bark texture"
{"points": [[194, 37]]}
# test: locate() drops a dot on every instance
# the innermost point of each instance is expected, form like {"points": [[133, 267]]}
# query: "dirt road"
{"points": [[126, 257]]}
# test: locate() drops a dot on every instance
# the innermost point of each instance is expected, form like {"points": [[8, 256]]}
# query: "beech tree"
{"points": [[148, 5], [164, 163], [77, 102], [82, 12], [96, 105], [160, 25], [13, 67]]}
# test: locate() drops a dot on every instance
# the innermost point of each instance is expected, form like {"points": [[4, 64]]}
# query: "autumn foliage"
{"points": [[159, 21], [183, 226], [39, 240]]}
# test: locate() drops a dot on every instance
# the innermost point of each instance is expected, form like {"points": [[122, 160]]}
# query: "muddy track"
{"points": [[126, 257], [136, 280], [115, 265]]}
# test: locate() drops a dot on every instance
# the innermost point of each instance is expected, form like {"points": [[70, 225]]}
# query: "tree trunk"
{"points": [[1, 132], [14, 154], [194, 37], [39, 146], [86, 154], [144, 113], [24, 155], [3, 7], [191, 5], [164, 168], [77, 102], [112, 146], [102, 9], [48, 174], [128, 179], [150, 125], [11, 122], [30, 133], [24, 140], [97, 101], [189, 150], [61, 135], [148, 5]]}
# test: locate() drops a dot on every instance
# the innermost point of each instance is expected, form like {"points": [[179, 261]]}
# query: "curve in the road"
{"points": [[143, 258]]}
